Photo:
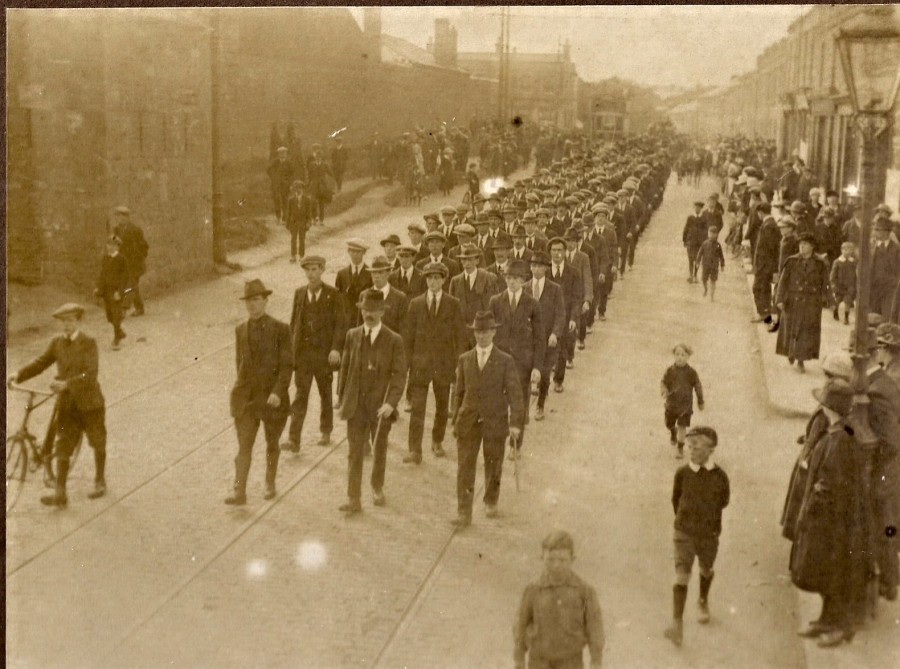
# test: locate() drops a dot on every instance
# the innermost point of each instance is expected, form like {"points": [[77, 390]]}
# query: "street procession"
{"points": [[457, 355]]}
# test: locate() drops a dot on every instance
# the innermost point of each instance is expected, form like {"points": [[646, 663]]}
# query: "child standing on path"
{"points": [[559, 614], [679, 383], [700, 493], [843, 281], [709, 258], [111, 285]]}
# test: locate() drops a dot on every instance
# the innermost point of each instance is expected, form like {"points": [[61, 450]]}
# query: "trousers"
{"points": [[467, 447], [247, 427], [363, 424], [303, 378], [418, 399]]}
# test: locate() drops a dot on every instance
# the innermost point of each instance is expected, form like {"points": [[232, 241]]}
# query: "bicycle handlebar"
{"points": [[34, 391]]}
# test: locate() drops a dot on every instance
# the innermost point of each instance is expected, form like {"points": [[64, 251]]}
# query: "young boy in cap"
{"points": [[260, 393], [81, 408], [679, 383], [843, 281], [700, 492], [710, 257], [559, 614], [111, 285]]}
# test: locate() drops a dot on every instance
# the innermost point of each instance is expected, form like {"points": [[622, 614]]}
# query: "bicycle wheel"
{"points": [[16, 469]]}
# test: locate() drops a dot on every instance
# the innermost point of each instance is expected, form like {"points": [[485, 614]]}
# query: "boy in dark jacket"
{"points": [[111, 287], [709, 258], [677, 388], [700, 493], [843, 281]]}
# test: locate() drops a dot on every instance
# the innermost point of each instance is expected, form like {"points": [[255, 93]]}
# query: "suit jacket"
{"points": [[612, 247], [433, 343], [267, 372], [134, 247], [539, 243], [572, 291], [390, 369], [486, 246], [554, 316], [491, 396], [588, 249], [526, 254], [350, 289], [113, 276], [77, 363], [521, 334], [326, 332], [599, 245], [582, 263], [886, 264], [473, 301], [396, 306], [453, 267], [412, 288]]}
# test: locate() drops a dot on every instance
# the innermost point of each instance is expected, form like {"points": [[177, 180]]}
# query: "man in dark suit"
{"points": [[582, 259], [373, 373], [885, 267], [435, 241], [483, 239], [473, 287], [605, 231], [434, 339], [554, 317], [260, 393], [765, 263], [134, 249], [281, 176], [568, 278], [339, 157], [407, 278], [501, 251], [534, 239], [317, 335], [390, 244], [396, 302], [416, 232], [489, 407], [80, 406], [353, 279], [519, 250], [626, 229], [521, 330], [465, 235], [320, 181]]}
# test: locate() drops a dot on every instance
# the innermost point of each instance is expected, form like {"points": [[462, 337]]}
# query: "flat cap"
{"points": [[67, 309], [435, 235], [356, 244], [415, 226], [435, 268], [306, 261], [464, 229], [448, 209]]}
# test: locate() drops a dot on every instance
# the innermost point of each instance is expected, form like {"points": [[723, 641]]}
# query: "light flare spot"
{"points": [[257, 569], [311, 555]]}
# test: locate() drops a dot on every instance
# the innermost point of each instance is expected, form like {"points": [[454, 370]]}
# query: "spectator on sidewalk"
{"points": [[134, 249], [111, 285], [281, 176], [765, 263], [299, 215], [545, 628], [885, 267], [260, 392], [699, 495], [81, 408]]}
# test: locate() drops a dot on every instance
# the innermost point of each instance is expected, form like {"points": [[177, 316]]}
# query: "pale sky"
{"points": [[678, 45]]}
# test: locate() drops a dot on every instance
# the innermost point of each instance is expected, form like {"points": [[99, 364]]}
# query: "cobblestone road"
{"points": [[161, 573]]}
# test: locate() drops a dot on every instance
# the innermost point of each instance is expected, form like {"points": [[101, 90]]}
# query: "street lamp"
{"points": [[869, 47]]}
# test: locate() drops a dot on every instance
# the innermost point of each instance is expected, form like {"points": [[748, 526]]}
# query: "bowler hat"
{"points": [[540, 257], [312, 260], [699, 203], [484, 320], [517, 267], [797, 205], [572, 234], [371, 300], [391, 239], [587, 217], [502, 242], [69, 308], [469, 251], [380, 264], [255, 288], [435, 268], [482, 219], [836, 395], [356, 244]]}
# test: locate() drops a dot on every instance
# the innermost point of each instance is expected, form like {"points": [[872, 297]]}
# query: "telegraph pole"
{"points": [[503, 62]]}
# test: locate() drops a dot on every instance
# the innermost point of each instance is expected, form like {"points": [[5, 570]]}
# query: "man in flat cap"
{"points": [[353, 279], [407, 276], [134, 249], [281, 176], [520, 332], [396, 302], [473, 287], [390, 244], [80, 406], [373, 374], [489, 407], [320, 182], [581, 261], [260, 393], [434, 339], [436, 242], [416, 233], [317, 335]]}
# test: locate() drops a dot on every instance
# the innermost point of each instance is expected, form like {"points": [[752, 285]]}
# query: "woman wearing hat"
{"points": [[801, 295]]}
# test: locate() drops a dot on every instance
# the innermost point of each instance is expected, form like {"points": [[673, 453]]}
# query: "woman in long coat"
{"points": [[801, 294], [830, 543]]}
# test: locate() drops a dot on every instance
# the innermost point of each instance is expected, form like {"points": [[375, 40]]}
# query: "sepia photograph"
{"points": [[452, 337]]}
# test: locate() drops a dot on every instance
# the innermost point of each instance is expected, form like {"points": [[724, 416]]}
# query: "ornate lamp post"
{"points": [[869, 46]]}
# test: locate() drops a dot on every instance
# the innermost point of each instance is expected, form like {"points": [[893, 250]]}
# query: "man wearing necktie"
{"points": [[260, 393], [373, 374], [520, 331], [519, 250], [569, 280], [407, 278], [489, 407], [583, 263], [473, 287], [353, 279], [433, 336], [554, 317], [885, 268]]}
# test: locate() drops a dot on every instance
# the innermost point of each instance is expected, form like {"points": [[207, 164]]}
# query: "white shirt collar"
{"points": [[74, 335], [709, 466], [372, 332], [515, 295], [356, 268], [435, 296], [386, 290], [485, 351]]}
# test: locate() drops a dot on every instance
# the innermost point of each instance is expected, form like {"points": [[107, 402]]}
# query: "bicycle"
{"points": [[24, 454]]}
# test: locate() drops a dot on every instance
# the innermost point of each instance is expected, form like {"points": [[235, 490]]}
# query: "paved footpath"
{"points": [[161, 573]]}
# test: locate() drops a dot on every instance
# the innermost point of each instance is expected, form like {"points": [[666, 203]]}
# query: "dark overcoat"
{"points": [[803, 289]]}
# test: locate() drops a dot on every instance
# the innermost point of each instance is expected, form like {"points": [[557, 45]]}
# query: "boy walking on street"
{"points": [[679, 383], [709, 258], [111, 285], [700, 492], [559, 614], [843, 281]]}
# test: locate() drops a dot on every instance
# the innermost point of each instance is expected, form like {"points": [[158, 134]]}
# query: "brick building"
{"points": [[102, 112], [797, 96]]}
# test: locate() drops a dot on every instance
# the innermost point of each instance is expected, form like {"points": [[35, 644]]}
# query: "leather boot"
{"points": [[59, 497], [271, 471], [239, 497], [99, 475]]}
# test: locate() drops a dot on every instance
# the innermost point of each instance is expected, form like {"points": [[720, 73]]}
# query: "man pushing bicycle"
{"points": [[80, 404]]}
